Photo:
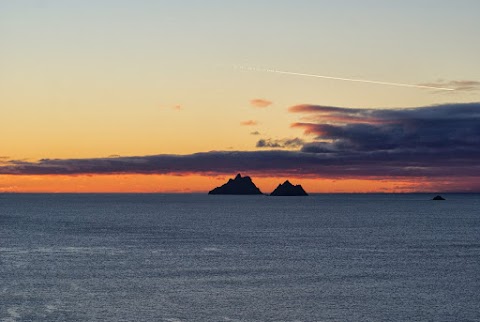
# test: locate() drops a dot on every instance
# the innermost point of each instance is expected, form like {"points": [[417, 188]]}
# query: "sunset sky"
{"points": [[164, 96]]}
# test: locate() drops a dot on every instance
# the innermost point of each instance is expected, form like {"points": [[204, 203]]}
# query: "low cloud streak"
{"points": [[313, 161]]}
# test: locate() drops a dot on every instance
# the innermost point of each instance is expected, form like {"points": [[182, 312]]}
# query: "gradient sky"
{"points": [[104, 80]]}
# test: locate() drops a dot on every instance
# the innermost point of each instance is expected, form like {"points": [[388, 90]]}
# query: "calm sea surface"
{"points": [[239, 258]]}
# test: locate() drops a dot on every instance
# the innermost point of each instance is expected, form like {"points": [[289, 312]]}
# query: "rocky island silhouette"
{"points": [[238, 186], [245, 186], [288, 189]]}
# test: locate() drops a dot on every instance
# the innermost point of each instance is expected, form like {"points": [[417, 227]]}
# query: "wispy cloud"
{"points": [[261, 103], [457, 85], [329, 114], [248, 123]]}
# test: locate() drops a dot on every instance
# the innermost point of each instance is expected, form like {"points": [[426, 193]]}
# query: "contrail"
{"points": [[254, 69]]}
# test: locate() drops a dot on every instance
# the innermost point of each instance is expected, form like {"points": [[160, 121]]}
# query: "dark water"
{"points": [[246, 258]]}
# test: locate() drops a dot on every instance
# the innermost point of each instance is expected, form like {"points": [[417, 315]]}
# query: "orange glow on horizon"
{"points": [[193, 183]]}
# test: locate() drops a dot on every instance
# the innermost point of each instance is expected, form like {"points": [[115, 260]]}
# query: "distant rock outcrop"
{"points": [[288, 189], [238, 186], [438, 198]]}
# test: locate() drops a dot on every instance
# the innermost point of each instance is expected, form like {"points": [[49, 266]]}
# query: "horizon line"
{"points": [[206, 193]]}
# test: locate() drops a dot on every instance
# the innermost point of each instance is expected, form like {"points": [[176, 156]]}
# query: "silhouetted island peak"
{"points": [[438, 198], [238, 186], [288, 189]]}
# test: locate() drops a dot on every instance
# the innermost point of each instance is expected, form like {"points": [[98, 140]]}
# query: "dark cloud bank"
{"points": [[435, 141]]}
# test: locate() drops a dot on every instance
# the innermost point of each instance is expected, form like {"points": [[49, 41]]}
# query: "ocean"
{"points": [[192, 257]]}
